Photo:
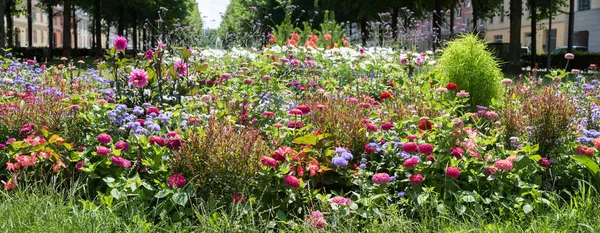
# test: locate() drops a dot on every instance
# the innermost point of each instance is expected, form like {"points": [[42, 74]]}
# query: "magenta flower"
{"points": [[120, 43], [157, 140], [149, 54], [268, 161], [120, 161], [174, 143], [381, 178], [291, 181], [121, 145], [425, 148], [317, 220], [503, 164], [341, 200], [104, 138], [101, 150], [180, 68], [176, 180], [238, 198], [79, 165], [416, 179], [453, 172], [138, 78], [410, 163]]}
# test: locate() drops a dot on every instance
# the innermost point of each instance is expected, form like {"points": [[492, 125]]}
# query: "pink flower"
{"points": [[157, 140], [507, 81], [457, 152], [425, 148], [172, 133], [371, 127], [490, 170], [381, 178], [120, 161], [410, 163], [120, 43], [462, 93], [320, 107], [101, 150], [291, 181], [9, 185], [176, 180], [268, 161], [341, 200], [238, 198], [412, 137], [304, 108], [295, 111], [149, 54], [317, 220], [452, 172], [544, 162], [268, 114], [104, 138], [79, 165], [387, 125], [174, 143], [151, 110], [138, 78], [180, 68], [27, 161], [416, 179], [569, 56], [409, 147], [503, 164], [121, 145]]}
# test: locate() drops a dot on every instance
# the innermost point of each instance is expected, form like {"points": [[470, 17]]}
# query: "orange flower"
{"points": [[327, 37], [314, 38], [596, 142], [272, 38], [584, 150], [293, 43], [345, 42], [310, 44], [295, 36], [12, 166]]}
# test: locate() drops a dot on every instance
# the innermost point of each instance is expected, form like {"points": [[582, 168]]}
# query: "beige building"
{"points": [[586, 32]]}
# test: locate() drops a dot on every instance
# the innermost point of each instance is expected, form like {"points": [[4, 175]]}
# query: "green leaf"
{"points": [[116, 194], [587, 162], [308, 139], [180, 199], [162, 193], [422, 198], [468, 198], [281, 215]]}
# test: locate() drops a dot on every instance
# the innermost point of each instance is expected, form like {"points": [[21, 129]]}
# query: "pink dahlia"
{"points": [[104, 138], [416, 179], [425, 148], [138, 78], [381, 178], [409, 147], [291, 181], [149, 54], [238, 198], [387, 125], [174, 143], [121, 145], [268, 161], [341, 200], [120, 161], [457, 152], [410, 163], [453, 172], [180, 68], [503, 164], [317, 220], [176, 180], [102, 151], [120, 43]]}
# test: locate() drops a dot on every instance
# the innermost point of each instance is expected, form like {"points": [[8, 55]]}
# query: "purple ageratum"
{"points": [[339, 161], [347, 156]]}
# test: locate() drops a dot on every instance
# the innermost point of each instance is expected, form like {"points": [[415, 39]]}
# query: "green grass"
{"points": [[43, 209]]}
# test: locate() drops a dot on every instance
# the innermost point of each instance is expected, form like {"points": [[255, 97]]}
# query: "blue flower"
{"points": [[392, 178], [347, 156], [339, 161], [401, 194], [362, 166], [340, 150], [363, 160], [138, 110]]}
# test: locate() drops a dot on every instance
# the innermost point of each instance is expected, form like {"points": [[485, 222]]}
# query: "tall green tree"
{"points": [[516, 10]]}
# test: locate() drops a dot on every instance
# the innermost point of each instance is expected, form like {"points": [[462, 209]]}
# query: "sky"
{"points": [[211, 11]]}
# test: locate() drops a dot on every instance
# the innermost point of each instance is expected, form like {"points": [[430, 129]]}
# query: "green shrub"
{"points": [[467, 63]]}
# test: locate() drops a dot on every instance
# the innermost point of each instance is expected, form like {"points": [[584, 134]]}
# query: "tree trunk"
{"points": [[75, 39], [121, 23], [135, 32], [364, 32], [107, 35], [67, 28], [29, 25], [476, 17], [452, 9], [571, 26], [98, 27], [9, 22], [437, 19], [533, 10], [516, 8], [50, 13], [395, 23], [2, 24]]}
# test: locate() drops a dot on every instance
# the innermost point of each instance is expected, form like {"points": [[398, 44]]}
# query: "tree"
{"points": [[2, 22], [540, 10], [67, 28], [516, 9], [29, 25], [571, 26]]}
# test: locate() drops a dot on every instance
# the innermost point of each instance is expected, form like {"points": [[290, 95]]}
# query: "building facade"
{"points": [[40, 28], [586, 31]]}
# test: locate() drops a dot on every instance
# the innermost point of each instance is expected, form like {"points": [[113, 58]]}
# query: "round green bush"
{"points": [[467, 63]]}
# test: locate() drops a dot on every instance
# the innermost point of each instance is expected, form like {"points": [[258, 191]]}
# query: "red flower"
{"points": [[425, 125], [176, 180], [452, 172], [238, 198], [457, 152], [152, 110], [451, 86], [291, 181], [584, 150], [416, 179], [304, 108], [384, 95], [410, 163], [544, 162], [409, 147], [425, 148], [387, 125], [369, 149], [268, 161], [371, 127], [174, 143], [157, 140], [412, 137]]}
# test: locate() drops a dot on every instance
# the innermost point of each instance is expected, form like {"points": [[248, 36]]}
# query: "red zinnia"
{"points": [[451, 86], [176, 180], [387, 125], [416, 179], [452, 172], [291, 181], [410, 163], [238, 198], [385, 95], [425, 125], [157, 140], [268, 161], [409, 147], [457, 152], [304, 108], [425, 148]]}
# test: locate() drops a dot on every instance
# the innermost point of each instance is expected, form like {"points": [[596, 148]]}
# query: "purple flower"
{"points": [[339, 161]]}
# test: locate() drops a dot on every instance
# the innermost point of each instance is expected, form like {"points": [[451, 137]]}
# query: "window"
{"points": [[468, 23], [44, 33], [34, 36], [33, 14], [468, 5], [458, 13], [491, 20], [502, 12], [498, 38], [584, 5]]}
